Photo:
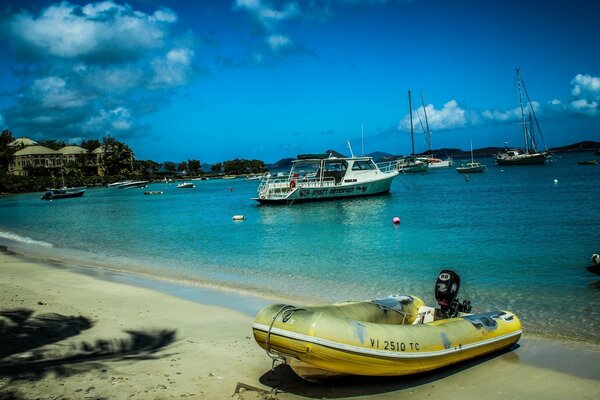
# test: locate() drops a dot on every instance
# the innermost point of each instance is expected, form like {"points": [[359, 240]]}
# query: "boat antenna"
{"points": [[350, 148], [428, 132], [362, 139], [412, 137], [525, 133]]}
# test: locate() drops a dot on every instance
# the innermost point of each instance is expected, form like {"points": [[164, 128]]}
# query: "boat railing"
{"points": [[387, 166], [282, 186]]}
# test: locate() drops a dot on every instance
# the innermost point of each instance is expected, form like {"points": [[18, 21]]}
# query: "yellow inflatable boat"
{"points": [[388, 337]]}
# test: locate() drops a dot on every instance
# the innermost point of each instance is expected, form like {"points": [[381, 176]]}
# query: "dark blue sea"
{"points": [[520, 238]]}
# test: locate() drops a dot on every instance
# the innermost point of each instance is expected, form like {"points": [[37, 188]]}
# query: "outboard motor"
{"points": [[446, 294]]}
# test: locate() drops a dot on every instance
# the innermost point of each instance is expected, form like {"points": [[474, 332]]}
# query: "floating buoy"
{"points": [[467, 178], [396, 220], [238, 217], [555, 181]]}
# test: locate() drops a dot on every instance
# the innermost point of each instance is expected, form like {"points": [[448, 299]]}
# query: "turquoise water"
{"points": [[519, 240]]}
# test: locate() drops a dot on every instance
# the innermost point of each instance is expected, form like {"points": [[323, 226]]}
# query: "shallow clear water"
{"points": [[519, 240]]}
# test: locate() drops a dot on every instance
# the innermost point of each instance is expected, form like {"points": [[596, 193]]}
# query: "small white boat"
{"points": [[328, 178], [132, 184], [186, 185], [117, 184], [471, 167]]}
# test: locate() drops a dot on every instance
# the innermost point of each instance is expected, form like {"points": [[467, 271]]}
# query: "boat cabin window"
{"points": [[363, 165], [335, 169]]}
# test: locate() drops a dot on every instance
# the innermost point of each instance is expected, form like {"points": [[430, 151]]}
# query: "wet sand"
{"points": [[68, 335]]}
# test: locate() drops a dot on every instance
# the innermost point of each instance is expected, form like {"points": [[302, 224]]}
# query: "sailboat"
{"points": [[430, 159], [529, 155], [472, 166], [411, 163]]}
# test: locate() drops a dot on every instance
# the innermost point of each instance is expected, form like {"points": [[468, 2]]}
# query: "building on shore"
{"points": [[31, 156]]}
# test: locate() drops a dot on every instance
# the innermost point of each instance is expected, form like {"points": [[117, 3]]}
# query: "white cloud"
{"points": [[101, 31], [118, 119], [555, 102], [269, 19], [266, 14], [585, 86], [585, 106], [53, 93], [586, 93], [173, 69], [451, 116], [278, 42], [97, 68]]}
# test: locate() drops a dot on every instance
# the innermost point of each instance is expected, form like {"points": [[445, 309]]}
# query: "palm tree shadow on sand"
{"points": [[23, 337], [283, 379]]}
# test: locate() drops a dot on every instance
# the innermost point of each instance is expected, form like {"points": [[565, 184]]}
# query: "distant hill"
{"points": [[284, 163], [587, 145], [378, 155]]}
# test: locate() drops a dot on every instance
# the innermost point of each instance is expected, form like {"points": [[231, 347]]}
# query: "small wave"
{"points": [[23, 239]]}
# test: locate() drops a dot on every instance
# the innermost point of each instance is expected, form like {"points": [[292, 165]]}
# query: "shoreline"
{"points": [[110, 339], [247, 299]]}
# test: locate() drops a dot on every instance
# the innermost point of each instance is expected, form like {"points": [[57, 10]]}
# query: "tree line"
{"points": [[117, 163]]}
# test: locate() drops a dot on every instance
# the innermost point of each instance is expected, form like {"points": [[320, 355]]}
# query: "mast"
{"points": [[532, 134], [427, 133], [412, 137], [471, 152], [525, 133], [534, 118], [362, 140]]}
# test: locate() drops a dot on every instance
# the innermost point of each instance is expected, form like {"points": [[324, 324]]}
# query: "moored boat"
{"points": [[131, 184], [529, 155], [63, 193], [411, 163], [326, 177], [435, 162], [432, 162], [388, 337], [186, 185], [471, 167], [588, 162]]}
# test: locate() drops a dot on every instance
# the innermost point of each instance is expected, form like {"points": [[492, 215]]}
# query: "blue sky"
{"points": [[217, 80]]}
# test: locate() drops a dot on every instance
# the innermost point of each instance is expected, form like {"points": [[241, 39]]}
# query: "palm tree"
{"points": [[117, 157]]}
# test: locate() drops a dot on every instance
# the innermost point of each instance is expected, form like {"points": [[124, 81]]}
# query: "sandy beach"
{"points": [[68, 335]]}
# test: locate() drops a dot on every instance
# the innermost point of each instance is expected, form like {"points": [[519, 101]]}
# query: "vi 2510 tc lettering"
{"points": [[394, 346]]}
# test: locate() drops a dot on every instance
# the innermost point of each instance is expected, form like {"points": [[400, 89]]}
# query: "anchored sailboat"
{"points": [[430, 159], [529, 155], [472, 166], [411, 163]]}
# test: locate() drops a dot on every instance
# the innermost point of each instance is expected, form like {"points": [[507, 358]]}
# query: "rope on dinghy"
{"points": [[276, 357]]}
